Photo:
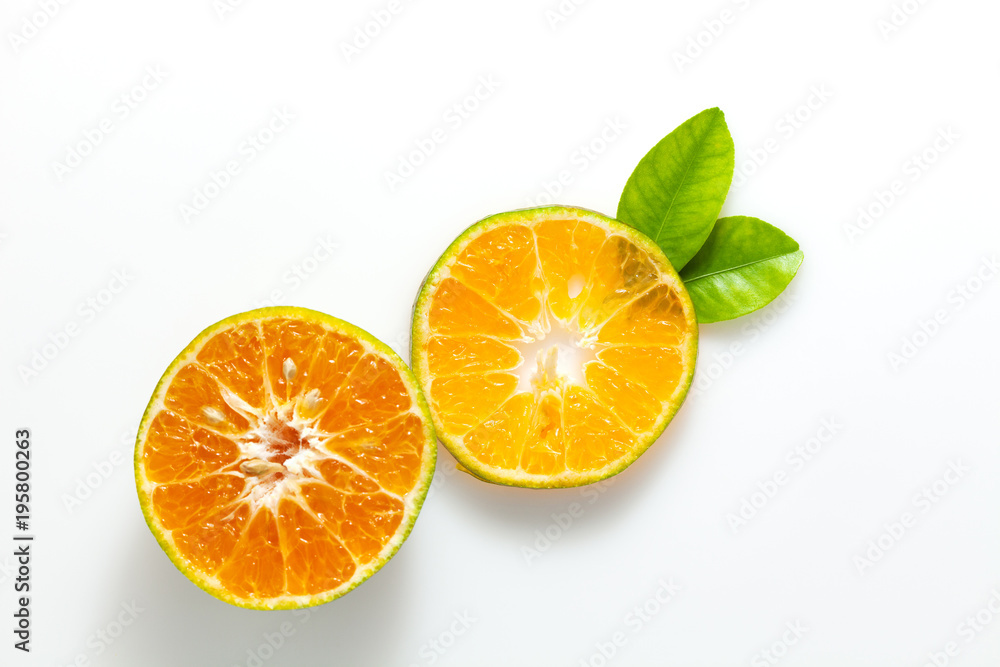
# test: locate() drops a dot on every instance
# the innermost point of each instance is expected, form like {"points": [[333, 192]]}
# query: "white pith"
{"points": [[269, 481], [554, 357]]}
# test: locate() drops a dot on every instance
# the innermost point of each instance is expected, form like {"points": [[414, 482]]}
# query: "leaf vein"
{"points": [[741, 266]]}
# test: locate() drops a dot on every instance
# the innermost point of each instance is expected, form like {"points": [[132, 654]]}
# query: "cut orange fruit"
{"points": [[283, 458], [554, 345]]}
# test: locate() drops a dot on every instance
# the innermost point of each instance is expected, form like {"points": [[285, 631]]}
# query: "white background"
{"points": [[825, 355]]}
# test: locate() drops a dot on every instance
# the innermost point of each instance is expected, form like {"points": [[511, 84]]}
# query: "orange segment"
{"points": [[370, 520], [621, 273], [544, 451], [256, 568], [290, 346], [336, 356], [197, 396], [566, 251], [657, 369], [344, 478], [499, 440], [467, 400], [594, 436], [459, 311], [283, 458], [178, 450], [388, 453], [502, 265], [181, 504], [575, 392], [655, 318], [239, 358], [635, 406], [476, 354], [331, 506], [372, 393], [315, 560], [211, 541]]}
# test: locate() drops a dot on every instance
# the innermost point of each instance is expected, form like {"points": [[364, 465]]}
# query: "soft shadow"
{"points": [[182, 625], [516, 508]]}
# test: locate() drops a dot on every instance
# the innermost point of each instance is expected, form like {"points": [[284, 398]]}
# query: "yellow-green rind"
{"points": [[418, 360], [418, 493]]}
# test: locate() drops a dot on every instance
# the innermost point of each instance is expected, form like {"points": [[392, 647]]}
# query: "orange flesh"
{"points": [[618, 331], [279, 461]]}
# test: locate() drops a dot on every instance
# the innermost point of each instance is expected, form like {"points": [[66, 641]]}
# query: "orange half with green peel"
{"points": [[283, 458], [554, 345]]}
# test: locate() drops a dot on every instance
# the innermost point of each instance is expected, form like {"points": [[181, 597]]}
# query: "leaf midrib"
{"points": [[687, 170], [737, 268]]}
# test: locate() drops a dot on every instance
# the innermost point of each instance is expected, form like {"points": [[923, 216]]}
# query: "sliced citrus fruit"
{"points": [[553, 345], [283, 458]]}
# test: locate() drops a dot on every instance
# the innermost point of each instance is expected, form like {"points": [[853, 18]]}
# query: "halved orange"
{"points": [[553, 345], [283, 458]]}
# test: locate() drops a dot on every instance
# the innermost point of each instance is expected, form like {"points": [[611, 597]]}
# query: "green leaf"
{"points": [[676, 191], [743, 266]]}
